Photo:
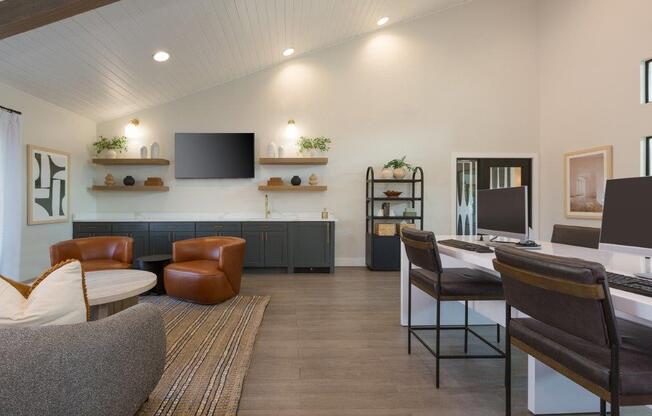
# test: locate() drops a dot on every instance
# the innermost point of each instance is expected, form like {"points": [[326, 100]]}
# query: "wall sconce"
{"points": [[291, 130], [132, 130]]}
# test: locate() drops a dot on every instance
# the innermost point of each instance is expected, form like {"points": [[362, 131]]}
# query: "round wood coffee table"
{"points": [[111, 291]]}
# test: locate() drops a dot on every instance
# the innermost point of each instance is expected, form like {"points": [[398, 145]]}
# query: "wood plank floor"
{"points": [[332, 345]]}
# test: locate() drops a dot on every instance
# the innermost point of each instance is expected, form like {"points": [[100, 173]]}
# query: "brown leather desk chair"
{"points": [[446, 285], [574, 235], [572, 327], [95, 253], [205, 270]]}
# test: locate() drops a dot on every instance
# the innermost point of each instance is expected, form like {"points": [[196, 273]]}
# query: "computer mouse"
{"points": [[527, 243]]}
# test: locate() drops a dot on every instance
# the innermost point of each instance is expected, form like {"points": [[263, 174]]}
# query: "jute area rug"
{"points": [[209, 348]]}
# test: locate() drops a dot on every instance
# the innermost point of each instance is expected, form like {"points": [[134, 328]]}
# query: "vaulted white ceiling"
{"points": [[99, 63]]}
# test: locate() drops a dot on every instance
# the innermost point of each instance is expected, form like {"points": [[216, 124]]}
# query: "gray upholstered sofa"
{"points": [[105, 367]]}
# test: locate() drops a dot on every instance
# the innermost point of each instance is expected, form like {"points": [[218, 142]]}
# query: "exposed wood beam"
{"points": [[18, 16]]}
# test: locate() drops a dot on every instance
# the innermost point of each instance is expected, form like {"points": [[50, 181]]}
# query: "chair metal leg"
{"points": [[466, 326], [498, 333], [438, 331], [409, 333], [508, 363], [615, 404], [603, 407]]}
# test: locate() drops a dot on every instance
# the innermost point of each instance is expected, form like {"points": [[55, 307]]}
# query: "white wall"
{"points": [[590, 54], [464, 80], [48, 125]]}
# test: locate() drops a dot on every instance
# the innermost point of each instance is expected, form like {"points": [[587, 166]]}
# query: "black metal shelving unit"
{"points": [[384, 252]]}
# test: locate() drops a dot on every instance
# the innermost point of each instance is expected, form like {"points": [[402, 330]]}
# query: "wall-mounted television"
{"points": [[213, 155]]}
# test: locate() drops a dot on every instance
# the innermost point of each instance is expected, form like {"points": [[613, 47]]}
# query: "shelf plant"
{"points": [[397, 167], [311, 146], [111, 146]]}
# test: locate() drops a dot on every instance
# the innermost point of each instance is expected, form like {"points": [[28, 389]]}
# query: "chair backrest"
{"points": [[566, 293], [93, 248], [574, 235], [421, 249]]}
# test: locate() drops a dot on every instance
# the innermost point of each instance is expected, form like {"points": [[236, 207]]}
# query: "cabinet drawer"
{"points": [[91, 227], [230, 227], [128, 227], [264, 226], [172, 226]]}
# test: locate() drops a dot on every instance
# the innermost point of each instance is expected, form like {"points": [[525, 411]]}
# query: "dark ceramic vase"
{"points": [[129, 181], [296, 181]]}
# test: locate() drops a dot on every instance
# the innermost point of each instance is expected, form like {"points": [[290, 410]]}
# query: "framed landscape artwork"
{"points": [[48, 185], [586, 174]]}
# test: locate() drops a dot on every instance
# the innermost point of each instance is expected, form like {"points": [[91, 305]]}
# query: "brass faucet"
{"points": [[267, 211]]}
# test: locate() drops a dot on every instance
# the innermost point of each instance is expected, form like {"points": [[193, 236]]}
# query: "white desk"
{"points": [[548, 391]]}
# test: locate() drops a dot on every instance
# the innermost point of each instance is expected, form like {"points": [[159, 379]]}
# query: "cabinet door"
{"points": [[182, 235], [141, 242], [219, 229], [311, 244], [160, 242], [255, 248], [276, 252]]}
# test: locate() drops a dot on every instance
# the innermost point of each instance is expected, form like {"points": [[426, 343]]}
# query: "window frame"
{"points": [[648, 155], [646, 80]]}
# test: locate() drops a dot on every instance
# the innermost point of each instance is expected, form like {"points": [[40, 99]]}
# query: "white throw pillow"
{"points": [[58, 297]]}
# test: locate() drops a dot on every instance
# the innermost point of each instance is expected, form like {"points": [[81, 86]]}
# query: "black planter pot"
{"points": [[296, 181], [129, 181]]}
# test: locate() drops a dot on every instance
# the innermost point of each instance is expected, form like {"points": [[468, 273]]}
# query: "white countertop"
{"points": [[201, 216]]}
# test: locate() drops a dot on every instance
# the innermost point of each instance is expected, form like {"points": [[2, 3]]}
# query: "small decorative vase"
{"points": [[281, 151], [272, 150], [399, 173], [143, 152], [313, 153], [111, 154], [296, 181], [387, 173], [312, 180], [155, 151], [108, 180], [129, 181]]}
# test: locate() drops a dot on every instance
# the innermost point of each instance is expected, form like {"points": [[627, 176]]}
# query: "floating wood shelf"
{"points": [[292, 188], [293, 160], [134, 188], [132, 162]]}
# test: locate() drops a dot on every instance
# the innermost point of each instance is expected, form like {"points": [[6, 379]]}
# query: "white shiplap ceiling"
{"points": [[99, 64]]}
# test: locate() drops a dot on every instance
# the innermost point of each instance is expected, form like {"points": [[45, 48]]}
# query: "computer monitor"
{"points": [[627, 218], [503, 212]]}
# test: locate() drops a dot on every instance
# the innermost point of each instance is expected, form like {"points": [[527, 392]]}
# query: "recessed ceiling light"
{"points": [[288, 52], [382, 21], [161, 56]]}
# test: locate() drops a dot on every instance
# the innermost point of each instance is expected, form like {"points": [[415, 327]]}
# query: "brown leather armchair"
{"points": [[95, 253], [205, 270]]}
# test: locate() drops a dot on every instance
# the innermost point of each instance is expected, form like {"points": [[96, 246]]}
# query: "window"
{"points": [[648, 156], [646, 81]]}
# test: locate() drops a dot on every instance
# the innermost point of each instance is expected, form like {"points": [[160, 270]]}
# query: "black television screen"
{"points": [[214, 155]]}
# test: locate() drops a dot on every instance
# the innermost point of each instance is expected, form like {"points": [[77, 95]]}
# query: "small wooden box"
{"points": [[385, 229]]}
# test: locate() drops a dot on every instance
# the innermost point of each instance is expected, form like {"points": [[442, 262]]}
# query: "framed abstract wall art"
{"points": [[586, 174], [48, 185]]}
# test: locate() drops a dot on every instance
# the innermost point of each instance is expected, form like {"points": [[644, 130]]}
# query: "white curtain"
{"points": [[11, 183]]}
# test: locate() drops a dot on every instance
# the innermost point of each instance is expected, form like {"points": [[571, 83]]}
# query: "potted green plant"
{"points": [[399, 168], [313, 146], [111, 146]]}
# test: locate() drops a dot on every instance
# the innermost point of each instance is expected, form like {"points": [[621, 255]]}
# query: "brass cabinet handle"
{"points": [[262, 236], [219, 227]]}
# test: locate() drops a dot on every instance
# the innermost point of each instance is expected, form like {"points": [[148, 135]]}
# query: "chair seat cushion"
{"points": [[195, 268], [592, 361], [199, 281], [104, 264], [468, 284]]}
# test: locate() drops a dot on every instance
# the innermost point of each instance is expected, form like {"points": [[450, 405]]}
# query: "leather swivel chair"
{"points": [[572, 327], [458, 284], [95, 253], [574, 235], [205, 270]]}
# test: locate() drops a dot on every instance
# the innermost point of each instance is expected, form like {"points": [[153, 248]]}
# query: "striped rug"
{"points": [[208, 353]]}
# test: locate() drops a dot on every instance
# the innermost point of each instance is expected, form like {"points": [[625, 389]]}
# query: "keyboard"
{"points": [[632, 284], [465, 245]]}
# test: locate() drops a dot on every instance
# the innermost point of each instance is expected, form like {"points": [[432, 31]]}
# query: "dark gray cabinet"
{"points": [[163, 234], [139, 231], [300, 246], [312, 244], [266, 244]]}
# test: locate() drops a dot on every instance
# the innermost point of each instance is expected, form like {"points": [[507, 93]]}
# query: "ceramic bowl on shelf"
{"points": [[392, 194]]}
